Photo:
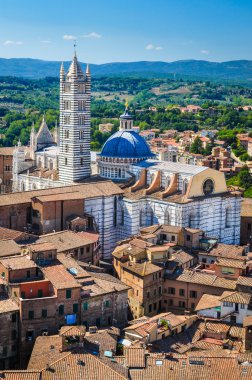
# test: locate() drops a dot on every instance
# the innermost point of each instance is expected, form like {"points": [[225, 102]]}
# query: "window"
{"points": [[150, 308], [13, 334], [228, 217], [182, 292], [37, 272], [67, 105], [228, 271], [30, 314], [28, 274], [82, 105], [242, 306], [81, 87], [182, 304], [66, 134], [192, 306], [160, 290], [66, 148], [29, 335], [13, 348], [170, 302], [67, 119], [23, 295], [65, 161], [85, 306], [14, 317], [81, 161], [155, 292], [148, 294], [75, 308], [68, 293], [171, 291], [227, 304], [40, 293], [81, 119], [107, 303], [188, 238], [249, 227], [5, 350], [44, 313], [81, 149], [81, 135], [172, 238], [67, 87], [193, 294], [61, 310], [155, 306]]}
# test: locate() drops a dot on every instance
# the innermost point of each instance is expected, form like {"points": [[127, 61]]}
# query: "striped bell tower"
{"points": [[75, 96]]}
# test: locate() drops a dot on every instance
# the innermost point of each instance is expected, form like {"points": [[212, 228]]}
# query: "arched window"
{"points": [[22, 186], [167, 218], [39, 162], [115, 212], [185, 186], [51, 164], [193, 220], [141, 218], [228, 217], [119, 173], [210, 219]]}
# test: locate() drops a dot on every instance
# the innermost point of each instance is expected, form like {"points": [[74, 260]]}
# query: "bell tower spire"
{"points": [[75, 97]]}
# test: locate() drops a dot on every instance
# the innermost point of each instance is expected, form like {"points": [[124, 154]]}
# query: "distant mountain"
{"points": [[36, 68]]}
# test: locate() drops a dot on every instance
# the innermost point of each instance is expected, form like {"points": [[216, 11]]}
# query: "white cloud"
{"points": [[10, 42], [92, 35], [46, 42], [69, 37], [206, 52], [153, 47]]}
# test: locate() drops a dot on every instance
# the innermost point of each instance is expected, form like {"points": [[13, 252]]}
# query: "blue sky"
{"points": [[126, 30]]}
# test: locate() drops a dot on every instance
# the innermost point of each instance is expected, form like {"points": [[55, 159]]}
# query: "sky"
{"points": [[126, 30]]}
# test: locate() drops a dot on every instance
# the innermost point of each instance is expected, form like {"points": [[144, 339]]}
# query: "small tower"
{"points": [[56, 134], [75, 96], [33, 142], [126, 119]]}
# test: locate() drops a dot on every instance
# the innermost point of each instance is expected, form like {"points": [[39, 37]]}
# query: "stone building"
{"points": [[9, 332]]}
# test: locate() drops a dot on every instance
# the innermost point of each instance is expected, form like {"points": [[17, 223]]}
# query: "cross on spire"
{"points": [[75, 45]]}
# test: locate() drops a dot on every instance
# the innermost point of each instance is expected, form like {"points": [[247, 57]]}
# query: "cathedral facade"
{"points": [[149, 191]]}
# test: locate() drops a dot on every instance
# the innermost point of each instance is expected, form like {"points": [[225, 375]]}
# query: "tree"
{"points": [[197, 146], [245, 178]]}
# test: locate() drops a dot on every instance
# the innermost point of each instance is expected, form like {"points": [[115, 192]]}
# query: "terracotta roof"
{"points": [[21, 375], [46, 350], [143, 269], [240, 264], [18, 262], [182, 256], [236, 297], [67, 240], [87, 190], [7, 151], [9, 248], [72, 330], [204, 279], [244, 281], [135, 357], [7, 233], [84, 366], [60, 277], [208, 301], [225, 250], [8, 306], [101, 341], [41, 246]]}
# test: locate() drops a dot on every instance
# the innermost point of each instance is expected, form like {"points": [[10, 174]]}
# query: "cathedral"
{"points": [[149, 191]]}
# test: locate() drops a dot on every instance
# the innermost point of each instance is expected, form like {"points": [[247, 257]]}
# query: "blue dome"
{"points": [[126, 144]]}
